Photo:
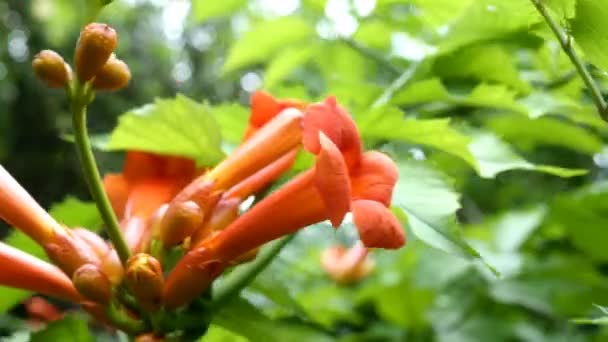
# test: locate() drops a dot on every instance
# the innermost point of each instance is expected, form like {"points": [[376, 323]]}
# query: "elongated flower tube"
{"points": [[342, 174], [24, 271], [19, 209], [227, 208]]}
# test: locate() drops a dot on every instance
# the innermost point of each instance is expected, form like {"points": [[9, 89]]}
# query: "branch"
{"points": [[565, 40], [396, 85]]}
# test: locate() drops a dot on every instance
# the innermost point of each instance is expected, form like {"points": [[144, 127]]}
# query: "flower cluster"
{"points": [[180, 227]]}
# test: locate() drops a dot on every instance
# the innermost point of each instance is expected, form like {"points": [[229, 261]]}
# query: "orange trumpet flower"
{"points": [[342, 175], [264, 108]]}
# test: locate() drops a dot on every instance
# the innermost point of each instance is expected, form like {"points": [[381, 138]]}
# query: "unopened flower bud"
{"points": [[112, 267], [95, 46], [50, 68], [68, 251], [92, 283], [144, 279], [180, 221], [113, 75]]}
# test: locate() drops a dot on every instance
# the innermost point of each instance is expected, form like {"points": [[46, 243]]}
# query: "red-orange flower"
{"points": [[147, 182], [342, 175]]}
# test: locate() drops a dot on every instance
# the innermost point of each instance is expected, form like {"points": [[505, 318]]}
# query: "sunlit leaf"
{"points": [[287, 61], [179, 126], [203, 10], [264, 40], [590, 30], [388, 123], [430, 203], [495, 156]]}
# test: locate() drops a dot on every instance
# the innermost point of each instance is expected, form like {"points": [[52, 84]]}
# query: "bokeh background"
{"points": [[500, 148]]}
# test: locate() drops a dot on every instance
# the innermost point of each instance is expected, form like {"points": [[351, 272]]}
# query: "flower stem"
{"points": [[242, 276], [565, 40], [91, 173], [398, 84]]}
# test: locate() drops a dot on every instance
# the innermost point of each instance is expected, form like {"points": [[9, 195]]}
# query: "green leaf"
{"points": [[70, 328], [545, 131], [440, 12], [240, 317], [490, 63], [232, 119], [430, 90], [286, 61], [264, 40], [375, 34], [219, 334], [203, 10], [495, 156], [179, 126], [388, 123], [565, 9], [485, 20], [591, 32], [430, 204]]}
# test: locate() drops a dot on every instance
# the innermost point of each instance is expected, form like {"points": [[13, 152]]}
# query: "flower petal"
{"points": [[117, 188], [337, 124], [375, 178], [377, 225], [331, 180]]}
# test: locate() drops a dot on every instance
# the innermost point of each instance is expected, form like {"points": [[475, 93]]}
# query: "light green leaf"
{"points": [[375, 34], [591, 32], [440, 12], [512, 229], [430, 204], [69, 329], [179, 126], [240, 317], [287, 61], [219, 334], [388, 123], [264, 40], [492, 96], [429, 90], [202, 10], [495, 156], [232, 119], [488, 19], [545, 131], [565, 9]]}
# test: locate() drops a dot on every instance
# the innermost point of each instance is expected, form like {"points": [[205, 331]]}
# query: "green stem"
{"points": [[242, 276], [565, 41], [397, 85], [372, 54], [91, 173]]}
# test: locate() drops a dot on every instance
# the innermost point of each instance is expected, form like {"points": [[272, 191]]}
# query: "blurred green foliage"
{"points": [[500, 150]]}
